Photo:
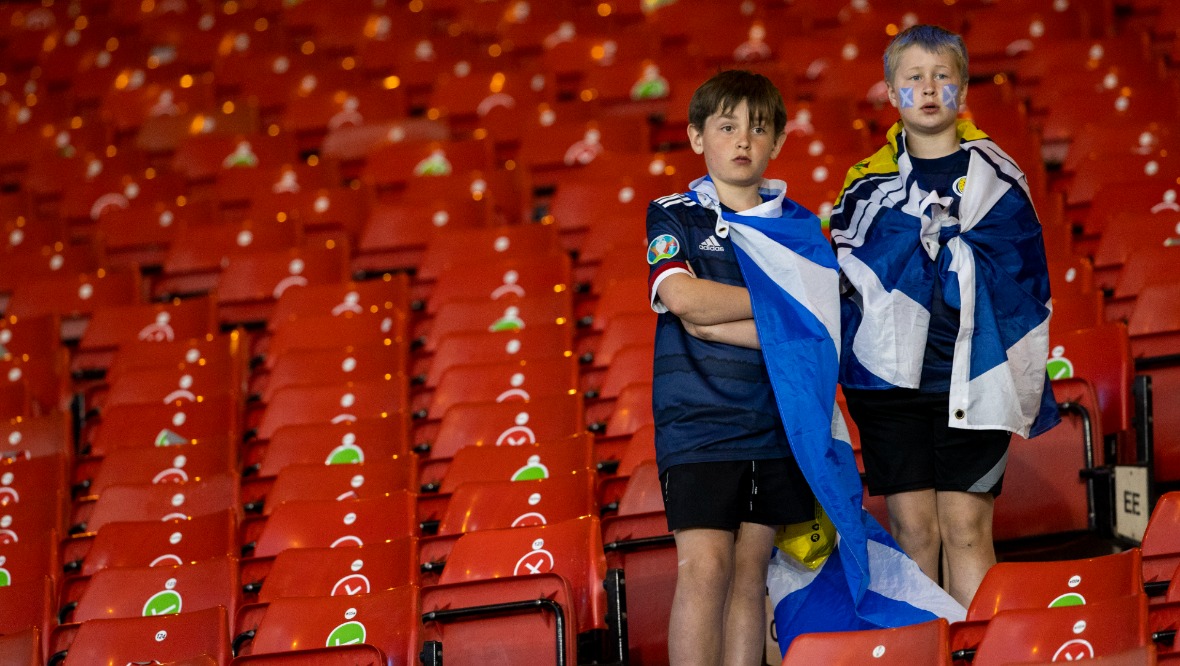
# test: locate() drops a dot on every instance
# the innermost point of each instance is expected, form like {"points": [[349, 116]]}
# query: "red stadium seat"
{"points": [[365, 362], [385, 327], [199, 252], [365, 480], [150, 591], [502, 381], [28, 605], [122, 503], [511, 423], [505, 281], [331, 524], [338, 300], [152, 639], [1073, 633], [397, 232], [322, 572], [113, 327], [145, 425], [533, 343], [543, 460], [485, 245], [22, 648], [392, 165], [642, 546], [334, 403], [74, 297], [153, 543], [493, 573], [1161, 541], [336, 630], [922, 644], [482, 505], [251, 283], [333, 444], [160, 465], [462, 316], [1044, 492], [1036, 585]]}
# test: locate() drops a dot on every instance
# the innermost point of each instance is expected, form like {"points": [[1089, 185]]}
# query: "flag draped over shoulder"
{"points": [[791, 274], [888, 233]]}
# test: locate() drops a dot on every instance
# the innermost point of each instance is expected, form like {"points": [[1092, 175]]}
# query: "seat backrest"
{"points": [[925, 644], [632, 364], [36, 437], [266, 275], [218, 351], [175, 386], [510, 423], [324, 572], [386, 619], [1162, 536], [167, 464], [333, 524], [503, 381], [74, 295], [500, 316], [161, 638], [152, 543], [571, 549], [1154, 322], [21, 648], [1012, 585], [643, 493], [144, 425], [485, 245], [1102, 356], [632, 409], [364, 480], [340, 299], [542, 460], [149, 501], [503, 281], [27, 604], [535, 342], [114, 326], [482, 505], [1146, 266], [336, 443], [161, 590], [1071, 633], [385, 327], [355, 363], [334, 403]]}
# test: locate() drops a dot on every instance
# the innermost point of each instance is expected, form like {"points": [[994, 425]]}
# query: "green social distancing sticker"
{"points": [[166, 602], [349, 633], [1068, 599], [346, 454], [532, 470]]}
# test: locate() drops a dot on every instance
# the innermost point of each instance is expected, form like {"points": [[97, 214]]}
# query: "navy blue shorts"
{"points": [[907, 444], [723, 495]]}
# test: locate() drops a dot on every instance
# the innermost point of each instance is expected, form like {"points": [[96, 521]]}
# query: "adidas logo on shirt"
{"points": [[710, 244]]}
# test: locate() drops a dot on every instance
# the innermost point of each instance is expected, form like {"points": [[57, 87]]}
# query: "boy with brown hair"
{"points": [[728, 475]]}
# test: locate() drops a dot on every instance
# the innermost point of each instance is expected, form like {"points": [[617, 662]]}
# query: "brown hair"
{"points": [[725, 90]]}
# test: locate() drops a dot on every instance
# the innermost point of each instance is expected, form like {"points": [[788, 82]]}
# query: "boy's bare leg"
{"points": [[706, 560], [965, 520], [914, 522], [745, 620]]}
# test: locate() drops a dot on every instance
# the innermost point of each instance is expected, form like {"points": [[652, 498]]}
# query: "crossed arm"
{"points": [[710, 310]]}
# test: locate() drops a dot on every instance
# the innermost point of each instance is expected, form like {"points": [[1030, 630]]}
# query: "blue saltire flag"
{"points": [[791, 273]]}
